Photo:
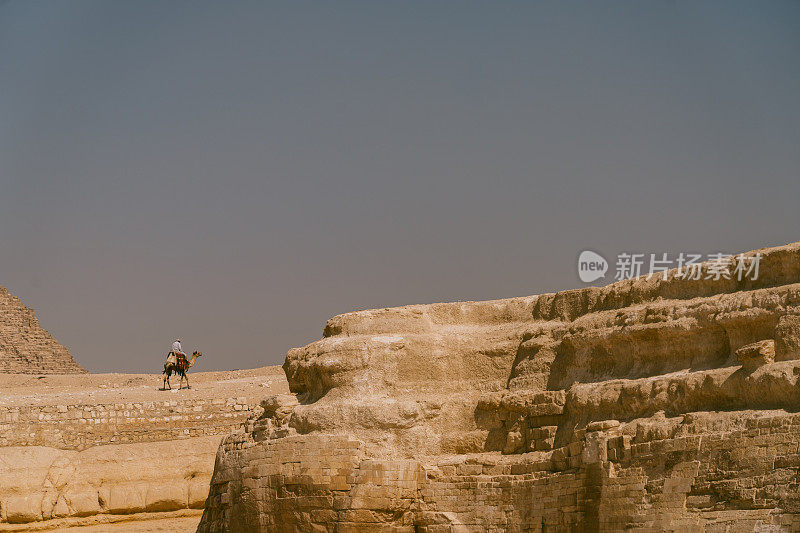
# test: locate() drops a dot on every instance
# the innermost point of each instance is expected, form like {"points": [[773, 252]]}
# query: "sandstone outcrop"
{"points": [[648, 404], [25, 347], [102, 448], [41, 483]]}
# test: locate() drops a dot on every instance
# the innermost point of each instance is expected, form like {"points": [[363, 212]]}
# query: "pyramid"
{"points": [[25, 347]]}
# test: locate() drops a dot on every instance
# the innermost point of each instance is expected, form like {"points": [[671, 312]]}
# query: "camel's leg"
{"points": [[187, 381]]}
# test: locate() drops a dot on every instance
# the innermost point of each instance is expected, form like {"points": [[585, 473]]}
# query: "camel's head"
{"points": [[197, 354]]}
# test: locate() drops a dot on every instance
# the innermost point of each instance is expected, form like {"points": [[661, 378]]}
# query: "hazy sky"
{"points": [[235, 173]]}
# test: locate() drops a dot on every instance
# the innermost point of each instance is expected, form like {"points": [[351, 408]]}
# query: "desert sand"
{"points": [[61, 389]]}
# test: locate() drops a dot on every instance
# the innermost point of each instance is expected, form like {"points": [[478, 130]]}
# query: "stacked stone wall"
{"points": [[603, 480], [80, 426]]}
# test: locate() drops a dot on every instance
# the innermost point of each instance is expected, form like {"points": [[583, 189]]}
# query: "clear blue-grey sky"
{"points": [[234, 173]]}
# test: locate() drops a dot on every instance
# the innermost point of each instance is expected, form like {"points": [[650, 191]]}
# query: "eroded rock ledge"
{"points": [[648, 404]]}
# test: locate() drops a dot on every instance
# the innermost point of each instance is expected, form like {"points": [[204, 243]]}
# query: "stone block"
{"points": [[166, 497], [197, 491], [787, 338], [20, 509], [756, 354]]}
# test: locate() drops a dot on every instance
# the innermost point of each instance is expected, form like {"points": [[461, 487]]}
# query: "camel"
{"points": [[180, 366]]}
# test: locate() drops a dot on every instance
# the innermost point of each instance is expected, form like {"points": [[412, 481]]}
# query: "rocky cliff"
{"points": [[662, 404], [25, 347]]}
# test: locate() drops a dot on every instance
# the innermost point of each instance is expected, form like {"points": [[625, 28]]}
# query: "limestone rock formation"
{"points": [[25, 347], [42, 483], [97, 449], [662, 404]]}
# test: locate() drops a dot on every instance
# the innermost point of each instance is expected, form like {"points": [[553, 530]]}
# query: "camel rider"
{"points": [[177, 350], [176, 347]]}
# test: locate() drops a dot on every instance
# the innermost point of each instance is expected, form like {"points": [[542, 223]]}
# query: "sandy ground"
{"points": [[28, 389], [177, 525], [185, 521]]}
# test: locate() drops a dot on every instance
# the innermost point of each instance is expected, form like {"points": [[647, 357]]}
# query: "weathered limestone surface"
{"points": [[660, 405], [101, 449], [25, 347], [40, 483]]}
